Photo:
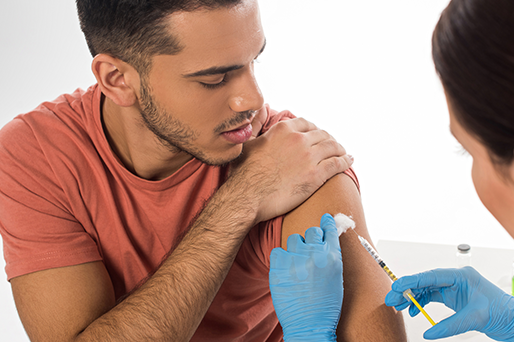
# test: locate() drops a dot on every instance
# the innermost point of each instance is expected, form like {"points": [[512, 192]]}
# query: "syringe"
{"points": [[407, 293]]}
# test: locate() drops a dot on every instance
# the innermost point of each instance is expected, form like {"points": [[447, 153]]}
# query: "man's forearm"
{"points": [[277, 172], [172, 303]]}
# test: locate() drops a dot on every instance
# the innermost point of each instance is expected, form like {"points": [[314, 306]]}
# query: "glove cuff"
{"points": [[309, 336]]}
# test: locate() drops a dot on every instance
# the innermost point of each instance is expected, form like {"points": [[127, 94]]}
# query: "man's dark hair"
{"points": [[135, 30], [473, 52]]}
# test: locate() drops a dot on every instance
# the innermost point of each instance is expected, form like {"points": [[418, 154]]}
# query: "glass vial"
{"points": [[463, 255]]}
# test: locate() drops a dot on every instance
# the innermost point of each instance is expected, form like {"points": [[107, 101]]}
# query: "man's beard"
{"points": [[175, 135]]}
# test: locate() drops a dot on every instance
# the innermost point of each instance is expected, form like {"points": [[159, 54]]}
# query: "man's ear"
{"points": [[117, 80]]}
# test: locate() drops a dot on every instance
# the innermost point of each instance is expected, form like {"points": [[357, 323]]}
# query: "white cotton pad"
{"points": [[343, 223]]}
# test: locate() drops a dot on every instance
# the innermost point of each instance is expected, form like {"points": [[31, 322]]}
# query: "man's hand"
{"points": [[306, 284], [283, 167], [258, 122]]}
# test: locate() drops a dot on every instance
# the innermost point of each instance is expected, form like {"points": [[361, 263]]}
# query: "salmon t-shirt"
{"points": [[65, 200]]}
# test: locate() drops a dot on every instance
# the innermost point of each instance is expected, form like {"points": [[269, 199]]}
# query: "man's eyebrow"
{"points": [[214, 71], [220, 70]]}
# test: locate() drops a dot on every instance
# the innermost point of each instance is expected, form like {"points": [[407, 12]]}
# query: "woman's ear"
{"points": [[117, 80]]}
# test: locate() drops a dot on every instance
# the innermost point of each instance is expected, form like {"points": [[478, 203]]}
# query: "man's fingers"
{"points": [[258, 121], [325, 154], [300, 125], [320, 139], [331, 155], [334, 165]]}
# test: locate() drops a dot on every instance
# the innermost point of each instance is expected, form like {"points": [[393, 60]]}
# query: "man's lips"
{"points": [[239, 135]]}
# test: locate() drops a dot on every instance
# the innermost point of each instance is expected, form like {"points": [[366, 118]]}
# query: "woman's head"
{"points": [[473, 52]]}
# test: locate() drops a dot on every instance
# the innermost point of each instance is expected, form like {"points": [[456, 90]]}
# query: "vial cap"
{"points": [[464, 248]]}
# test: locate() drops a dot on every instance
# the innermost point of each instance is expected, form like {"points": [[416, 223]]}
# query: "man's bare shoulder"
{"points": [[338, 194], [365, 283]]}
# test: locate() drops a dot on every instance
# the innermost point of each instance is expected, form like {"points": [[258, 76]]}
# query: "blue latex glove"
{"points": [[306, 284], [479, 305]]}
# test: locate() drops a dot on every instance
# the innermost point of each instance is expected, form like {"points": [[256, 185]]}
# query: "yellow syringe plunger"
{"points": [[410, 296]]}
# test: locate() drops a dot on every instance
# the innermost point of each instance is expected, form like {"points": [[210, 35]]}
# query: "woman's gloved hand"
{"points": [[479, 305], [306, 284]]}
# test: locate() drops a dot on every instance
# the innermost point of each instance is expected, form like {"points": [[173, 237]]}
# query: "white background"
{"points": [[362, 70]]}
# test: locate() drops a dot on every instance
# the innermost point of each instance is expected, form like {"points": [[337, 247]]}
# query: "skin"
{"points": [[365, 284], [184, 98], [493, 184], [279, 171]]}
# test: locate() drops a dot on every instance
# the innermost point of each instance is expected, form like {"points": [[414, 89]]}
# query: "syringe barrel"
{"points": [[370, 250], [389, 273]]}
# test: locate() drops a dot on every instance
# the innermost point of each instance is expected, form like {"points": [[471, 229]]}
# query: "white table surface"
{"points": [[405, 258]]}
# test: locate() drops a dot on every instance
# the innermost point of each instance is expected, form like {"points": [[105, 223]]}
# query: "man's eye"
{"points": [[215, 85]]}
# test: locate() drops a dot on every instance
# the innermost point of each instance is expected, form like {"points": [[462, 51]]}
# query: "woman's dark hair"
{"points": [[135, 30], [473, 52]]}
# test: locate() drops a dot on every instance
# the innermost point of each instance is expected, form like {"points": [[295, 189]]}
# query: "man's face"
{"points": [[203, 100]]}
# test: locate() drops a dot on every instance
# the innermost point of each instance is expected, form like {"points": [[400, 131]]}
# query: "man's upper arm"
{"points": [[58, 304], [365, 283]]}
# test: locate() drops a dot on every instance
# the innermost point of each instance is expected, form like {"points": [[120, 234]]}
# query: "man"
{"points": [[121, 218]]}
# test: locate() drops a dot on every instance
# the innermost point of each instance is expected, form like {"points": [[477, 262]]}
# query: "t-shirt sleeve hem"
{"points": [[52, 260], [351, 173]]}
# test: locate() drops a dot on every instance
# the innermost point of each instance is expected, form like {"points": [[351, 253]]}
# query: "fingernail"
{"points": [[350, 157]]}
